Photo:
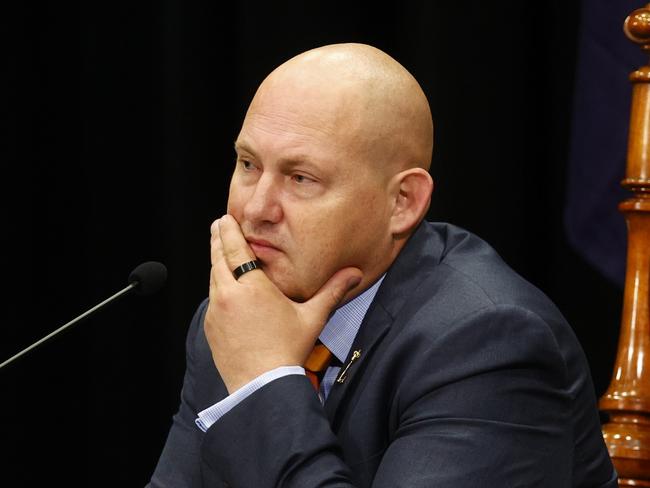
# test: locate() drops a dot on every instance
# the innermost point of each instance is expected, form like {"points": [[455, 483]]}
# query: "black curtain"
{"points": [[122, 117]]}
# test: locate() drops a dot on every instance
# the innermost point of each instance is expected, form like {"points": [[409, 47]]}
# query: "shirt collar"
{"points": [[342, 327]]}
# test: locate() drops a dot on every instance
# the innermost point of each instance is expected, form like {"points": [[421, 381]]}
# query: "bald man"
{"points": [[447, 369]]}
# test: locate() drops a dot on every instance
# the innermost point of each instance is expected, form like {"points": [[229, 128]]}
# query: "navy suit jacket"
{"points": [[468, 376]]}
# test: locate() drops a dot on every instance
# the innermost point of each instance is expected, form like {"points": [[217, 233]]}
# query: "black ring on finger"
{"points": [[245, 268]]}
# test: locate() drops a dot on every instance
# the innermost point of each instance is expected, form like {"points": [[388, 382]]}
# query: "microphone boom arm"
{"points": [[72, 322]]}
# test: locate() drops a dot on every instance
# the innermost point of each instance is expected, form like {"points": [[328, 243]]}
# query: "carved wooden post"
{"points": [[627, 400]]}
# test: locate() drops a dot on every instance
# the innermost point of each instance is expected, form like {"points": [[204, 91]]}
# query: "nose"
{"points": [[264, 205]]}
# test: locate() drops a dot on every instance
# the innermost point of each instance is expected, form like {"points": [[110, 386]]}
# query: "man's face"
{"points": [[307, 199]]}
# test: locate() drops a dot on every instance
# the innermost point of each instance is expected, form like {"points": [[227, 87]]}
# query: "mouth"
{"points": [[262, 248]]}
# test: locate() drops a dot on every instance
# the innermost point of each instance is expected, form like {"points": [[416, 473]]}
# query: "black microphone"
{"points": [[145, 279]]}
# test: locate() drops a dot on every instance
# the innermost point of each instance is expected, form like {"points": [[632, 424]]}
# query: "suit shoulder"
{"points": [[473, 271]]}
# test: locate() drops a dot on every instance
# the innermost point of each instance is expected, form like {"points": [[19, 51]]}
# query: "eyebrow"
{"points": [[288, 163], [242, 145]]}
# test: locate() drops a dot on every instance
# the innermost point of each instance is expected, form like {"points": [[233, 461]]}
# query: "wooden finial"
{"points": [[637, 27]]}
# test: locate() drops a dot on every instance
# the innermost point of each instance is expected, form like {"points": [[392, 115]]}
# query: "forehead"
{"points": [[305, 120], [275, 136], [306, 106]]}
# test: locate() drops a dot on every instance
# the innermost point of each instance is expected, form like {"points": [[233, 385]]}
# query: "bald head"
{"points": [[360, 94]]}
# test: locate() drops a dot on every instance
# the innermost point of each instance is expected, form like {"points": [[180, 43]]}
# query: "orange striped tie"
{"points": [[317, 363]]}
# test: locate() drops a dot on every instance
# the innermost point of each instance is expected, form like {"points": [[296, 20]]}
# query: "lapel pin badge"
{"points": [[344, 374]]}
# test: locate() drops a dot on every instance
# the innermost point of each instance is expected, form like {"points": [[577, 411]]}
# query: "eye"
{"points": [[301, 179], [247, 165]]}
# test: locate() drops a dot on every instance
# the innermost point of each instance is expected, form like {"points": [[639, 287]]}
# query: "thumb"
{"points": [[319, 307]]}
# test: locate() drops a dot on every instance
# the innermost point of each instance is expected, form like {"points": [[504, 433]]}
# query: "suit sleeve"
{"points": [[489, 402], [178, 465]]}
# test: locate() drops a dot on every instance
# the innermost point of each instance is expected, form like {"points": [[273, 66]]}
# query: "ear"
{"points": [[411, 193]]}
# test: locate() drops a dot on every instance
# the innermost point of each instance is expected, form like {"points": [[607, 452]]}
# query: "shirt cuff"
{"points": [[211, 414]]}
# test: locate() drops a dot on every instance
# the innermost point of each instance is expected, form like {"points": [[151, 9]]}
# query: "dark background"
{"points": [[122, 117]]}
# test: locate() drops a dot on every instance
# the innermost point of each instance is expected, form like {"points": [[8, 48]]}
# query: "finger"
{"points": [[220, 272], [216, 253], [328, 297], [234, 248], [216, 256]]}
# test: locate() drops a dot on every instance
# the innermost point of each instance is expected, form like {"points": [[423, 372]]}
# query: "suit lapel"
{"points": [[373, 328], [401, 279]]}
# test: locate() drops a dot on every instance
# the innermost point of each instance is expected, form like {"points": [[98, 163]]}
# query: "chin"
{"points": [[288, 282], [295, 296], [292, 291]]}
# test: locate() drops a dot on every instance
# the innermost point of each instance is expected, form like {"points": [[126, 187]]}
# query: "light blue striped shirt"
{"points": [[338, 336]]}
